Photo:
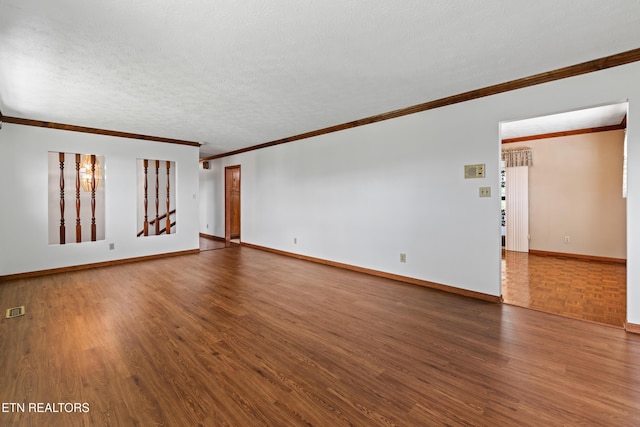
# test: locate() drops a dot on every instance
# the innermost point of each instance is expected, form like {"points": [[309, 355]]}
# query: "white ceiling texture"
{"points": [[594, 117], [233, 74]]}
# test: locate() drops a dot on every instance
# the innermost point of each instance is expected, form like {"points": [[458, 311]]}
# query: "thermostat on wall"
{"points": [[474, 171]]}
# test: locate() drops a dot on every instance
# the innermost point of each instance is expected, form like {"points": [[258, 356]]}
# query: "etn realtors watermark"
{"points": [[46, 407]]}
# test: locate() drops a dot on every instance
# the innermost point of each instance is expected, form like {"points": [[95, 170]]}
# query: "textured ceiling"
{"points": [[235, 74], [605, 115]]}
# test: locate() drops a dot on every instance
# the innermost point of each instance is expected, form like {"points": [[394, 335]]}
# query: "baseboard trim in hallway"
{"points": [[377, 273], [578, 256], [632, 327], [212, 237]]}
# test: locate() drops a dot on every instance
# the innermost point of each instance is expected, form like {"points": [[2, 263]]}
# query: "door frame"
{"points": [[501, 146], [227, 202]]}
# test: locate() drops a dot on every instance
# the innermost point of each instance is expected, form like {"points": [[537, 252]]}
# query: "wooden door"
{"points": [[232, 202]]}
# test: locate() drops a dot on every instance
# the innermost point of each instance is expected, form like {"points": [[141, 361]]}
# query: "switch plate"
{"points": [[485, 191]]}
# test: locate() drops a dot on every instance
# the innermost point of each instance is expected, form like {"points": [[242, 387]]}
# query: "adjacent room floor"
{"points": [[583, 289]]}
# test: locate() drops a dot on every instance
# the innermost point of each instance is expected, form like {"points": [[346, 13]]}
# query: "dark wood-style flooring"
{"points": [[595, 291], [243, 337], [208, 244]]}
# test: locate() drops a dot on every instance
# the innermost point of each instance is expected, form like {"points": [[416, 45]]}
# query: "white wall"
{"points": [[24, 219], [363, 195], [212, 191]]}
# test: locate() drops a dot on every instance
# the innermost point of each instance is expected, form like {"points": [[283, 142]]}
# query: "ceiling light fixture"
{"points": [[90, 171]]}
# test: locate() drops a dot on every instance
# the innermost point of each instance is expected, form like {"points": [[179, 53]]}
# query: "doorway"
{"points": [[575, 265], [232, 204]]}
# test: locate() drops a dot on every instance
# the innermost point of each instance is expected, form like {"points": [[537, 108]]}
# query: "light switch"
{"points": [[485, 191]]}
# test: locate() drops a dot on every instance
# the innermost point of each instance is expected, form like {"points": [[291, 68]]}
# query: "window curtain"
{"points": [[517, 164], [518, 157]]}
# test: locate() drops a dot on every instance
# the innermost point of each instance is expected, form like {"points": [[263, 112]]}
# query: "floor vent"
{"points": [[15, 312]]}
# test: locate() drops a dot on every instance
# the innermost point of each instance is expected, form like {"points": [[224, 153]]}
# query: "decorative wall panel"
{"points": [[156, 184], [76, 198]]}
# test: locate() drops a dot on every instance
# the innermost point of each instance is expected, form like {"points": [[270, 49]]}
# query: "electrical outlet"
{"points": [[403, 257], [567, 239], [485, 191], [295, 240], [112, 246]]}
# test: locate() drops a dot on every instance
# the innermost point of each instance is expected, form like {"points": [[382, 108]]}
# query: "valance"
{"points": [[518, 157]]}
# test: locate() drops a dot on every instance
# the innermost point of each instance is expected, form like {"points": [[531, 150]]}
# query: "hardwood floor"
{"points": [[244, 337], [207, 244], [588, 290]]}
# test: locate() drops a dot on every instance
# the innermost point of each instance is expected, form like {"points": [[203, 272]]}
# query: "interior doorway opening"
{"points": [[574, 261], [232, 209]]}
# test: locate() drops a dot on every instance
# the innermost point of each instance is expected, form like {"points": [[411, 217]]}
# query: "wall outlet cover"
{"points": [[485, 191]]}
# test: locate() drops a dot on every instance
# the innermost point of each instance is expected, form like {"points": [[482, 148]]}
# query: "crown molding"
{"points": [[546, 77], [73, 128], [565, 133]]}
